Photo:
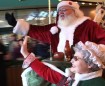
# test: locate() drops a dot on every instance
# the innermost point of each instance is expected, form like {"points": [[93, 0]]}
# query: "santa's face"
{"points": [[78, 64], [66, 16], [64, 11]]}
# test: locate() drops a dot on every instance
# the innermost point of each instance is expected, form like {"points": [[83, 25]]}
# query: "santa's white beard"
{"points": [[68, 20]]}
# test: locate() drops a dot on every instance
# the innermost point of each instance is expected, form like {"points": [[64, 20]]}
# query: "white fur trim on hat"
{"points": [[22, 27], [54, 30], [68, 3]]}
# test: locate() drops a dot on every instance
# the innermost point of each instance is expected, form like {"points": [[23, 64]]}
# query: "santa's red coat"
{"points": [[87, 31]]}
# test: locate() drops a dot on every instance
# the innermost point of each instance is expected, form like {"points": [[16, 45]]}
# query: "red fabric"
{"points": [[87, 31], [44, 71], [43, 33]]}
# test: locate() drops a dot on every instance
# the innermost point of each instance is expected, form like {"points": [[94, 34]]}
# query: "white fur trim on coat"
{"points": [[54, 30], [67, 33], [22, 27], [67, 72], [31, 57], [54, 68], [87, 76]]}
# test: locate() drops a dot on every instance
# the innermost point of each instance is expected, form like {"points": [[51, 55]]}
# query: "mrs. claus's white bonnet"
{"points": [[97, 53]]}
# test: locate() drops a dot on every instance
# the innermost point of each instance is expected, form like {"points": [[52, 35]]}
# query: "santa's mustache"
{"points": [[67, 20]]}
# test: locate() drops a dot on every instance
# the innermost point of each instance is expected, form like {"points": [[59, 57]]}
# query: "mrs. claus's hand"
{"points": [[24, 50]]}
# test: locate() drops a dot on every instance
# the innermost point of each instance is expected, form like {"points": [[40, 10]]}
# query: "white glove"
{"points": [[22, 27]]}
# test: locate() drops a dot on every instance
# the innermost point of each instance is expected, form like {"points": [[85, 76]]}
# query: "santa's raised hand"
{"points": [[11, 19], [24, 49]]}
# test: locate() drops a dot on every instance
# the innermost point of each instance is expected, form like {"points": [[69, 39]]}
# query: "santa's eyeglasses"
{"points": [[63, 10]]}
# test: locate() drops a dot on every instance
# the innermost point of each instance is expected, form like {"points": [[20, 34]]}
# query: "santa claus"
{"points": [[71, 25]]}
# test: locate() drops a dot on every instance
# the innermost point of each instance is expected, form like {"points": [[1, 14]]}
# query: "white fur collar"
{"points": [[82, 77], [67, 33]]}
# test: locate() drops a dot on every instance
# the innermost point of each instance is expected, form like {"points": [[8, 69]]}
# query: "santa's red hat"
{"points": [[68, 3]]}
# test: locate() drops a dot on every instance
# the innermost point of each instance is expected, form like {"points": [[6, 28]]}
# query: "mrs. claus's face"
{"points": [[78, 64]]}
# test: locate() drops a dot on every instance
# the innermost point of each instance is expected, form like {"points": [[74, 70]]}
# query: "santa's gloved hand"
{"points": [[10, 19]]}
